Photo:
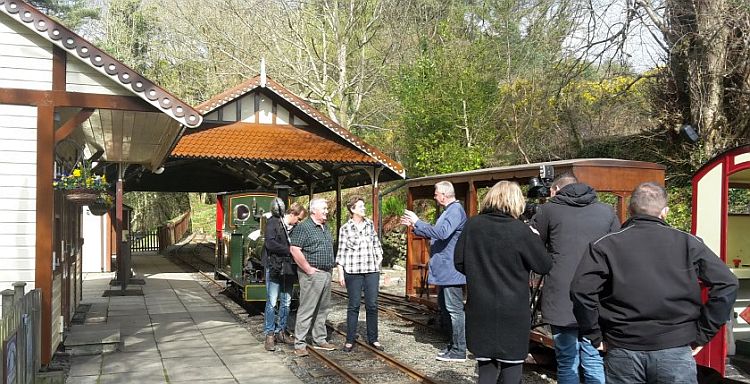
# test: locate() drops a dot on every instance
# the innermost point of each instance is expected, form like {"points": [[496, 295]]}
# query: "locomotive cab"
{"points": [[240, 224], [241, 219]]}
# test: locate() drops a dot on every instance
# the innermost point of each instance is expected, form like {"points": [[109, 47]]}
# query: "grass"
{"points": [[203, 215]]}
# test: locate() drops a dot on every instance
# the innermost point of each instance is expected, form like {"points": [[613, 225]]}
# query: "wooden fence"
{"points": [[144, 241], [174, 231], [162, 237], [20, 333]]}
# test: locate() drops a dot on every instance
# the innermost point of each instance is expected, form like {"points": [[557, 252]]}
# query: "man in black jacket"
{"points": [[279, 280], [567, 223], [637, 291]]}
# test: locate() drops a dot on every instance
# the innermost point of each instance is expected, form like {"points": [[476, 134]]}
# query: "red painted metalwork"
{"points": [[713, 355]]}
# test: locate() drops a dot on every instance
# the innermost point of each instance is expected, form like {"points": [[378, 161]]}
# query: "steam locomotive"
{"points": [[240, 224]]}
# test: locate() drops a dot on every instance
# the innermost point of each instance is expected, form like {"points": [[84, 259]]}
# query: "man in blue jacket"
{"points": [[442, 273]]}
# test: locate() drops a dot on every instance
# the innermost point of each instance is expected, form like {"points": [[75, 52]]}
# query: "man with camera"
{"points": [[570, 220], [280, 270]]}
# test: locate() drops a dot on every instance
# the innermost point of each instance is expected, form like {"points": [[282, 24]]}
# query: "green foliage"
{"points": [[72, 13], [680, 207], [202, 214], [393, 206], [739, 200], [394, 248], [152, 209], [445, 104]]}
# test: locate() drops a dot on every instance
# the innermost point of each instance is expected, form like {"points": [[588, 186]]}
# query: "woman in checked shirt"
{"points": [[358, 258]]}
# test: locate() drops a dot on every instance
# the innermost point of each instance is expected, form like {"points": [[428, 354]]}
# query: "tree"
{"points": [[72, 13], [707, 75]]}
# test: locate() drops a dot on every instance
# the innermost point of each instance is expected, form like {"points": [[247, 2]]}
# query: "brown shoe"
{"points": [[325, 346], [284, 338], [302, 352], [270, 343]]}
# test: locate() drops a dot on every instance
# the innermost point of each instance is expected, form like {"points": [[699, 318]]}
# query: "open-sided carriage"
{"points": [[613, 177]]}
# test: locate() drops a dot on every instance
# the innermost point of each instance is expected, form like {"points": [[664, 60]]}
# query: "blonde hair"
{"points": [[506, 197]]}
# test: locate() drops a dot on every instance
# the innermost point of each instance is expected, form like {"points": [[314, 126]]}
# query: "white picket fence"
{"points": [[20, 333]]}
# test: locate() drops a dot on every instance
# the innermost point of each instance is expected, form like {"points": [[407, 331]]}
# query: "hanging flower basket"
{"points": [[98, 209], [81, 186], [81, 196], [101, 205]]}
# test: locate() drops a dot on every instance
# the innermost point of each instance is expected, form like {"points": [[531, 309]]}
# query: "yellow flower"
{"points": [[77, 172]]}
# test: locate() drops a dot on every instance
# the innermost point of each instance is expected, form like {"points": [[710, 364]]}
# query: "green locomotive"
{"points": [[240, 225]]}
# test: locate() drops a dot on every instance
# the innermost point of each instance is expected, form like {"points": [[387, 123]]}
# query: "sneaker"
{"points": [[378, 346], [452, 356], [270, 343], [444, 351], [325, 346], [302, 352]]}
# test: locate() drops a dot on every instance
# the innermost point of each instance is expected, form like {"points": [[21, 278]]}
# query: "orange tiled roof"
{"points": [[374, 154], [266, 142]]}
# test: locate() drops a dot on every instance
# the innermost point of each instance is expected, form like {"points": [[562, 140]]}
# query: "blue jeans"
{"points": [[570, 352], [451, 301], [277, 289], [673, 366], [355, 284]]}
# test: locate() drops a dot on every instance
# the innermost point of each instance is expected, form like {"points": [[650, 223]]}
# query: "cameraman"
{"points": [[280, 271], [570, 220]]}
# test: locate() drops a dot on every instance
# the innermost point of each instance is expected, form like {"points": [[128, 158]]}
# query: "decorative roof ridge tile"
{"points": [[102, 62]]}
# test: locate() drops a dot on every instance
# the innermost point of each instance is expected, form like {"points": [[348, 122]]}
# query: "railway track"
{"points": [[358, 366]]}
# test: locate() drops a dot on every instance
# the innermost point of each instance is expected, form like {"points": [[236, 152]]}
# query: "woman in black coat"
{"points": [[496, 252]]}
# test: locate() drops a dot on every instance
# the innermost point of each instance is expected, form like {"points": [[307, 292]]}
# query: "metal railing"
{"points": [[20, 333]]}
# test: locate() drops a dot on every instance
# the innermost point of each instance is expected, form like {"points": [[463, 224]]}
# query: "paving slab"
{"points": [[133, 377], [199, 373], [82, 379], [175, 333], [177, 363], [85, 365]]}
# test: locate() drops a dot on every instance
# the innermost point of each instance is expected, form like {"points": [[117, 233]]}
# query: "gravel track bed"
{"points": [[411, 343]]}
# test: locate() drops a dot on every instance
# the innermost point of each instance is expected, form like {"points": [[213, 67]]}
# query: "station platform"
{"points": [[172, 331]]}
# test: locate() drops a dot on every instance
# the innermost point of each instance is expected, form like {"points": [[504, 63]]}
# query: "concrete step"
{"points": [[92, 339]]}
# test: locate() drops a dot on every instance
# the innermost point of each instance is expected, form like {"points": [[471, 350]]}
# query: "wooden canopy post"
{"points": [[338, 204], [472, 205], [122, 264]]}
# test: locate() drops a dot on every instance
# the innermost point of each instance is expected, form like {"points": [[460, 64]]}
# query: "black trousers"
{"points": [[491, 370]]}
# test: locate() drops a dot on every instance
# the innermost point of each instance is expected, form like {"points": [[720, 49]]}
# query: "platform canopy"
{"points": [[258, 135]]}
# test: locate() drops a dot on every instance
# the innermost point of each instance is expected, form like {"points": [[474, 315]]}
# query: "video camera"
{"points": [[539, 187]]}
